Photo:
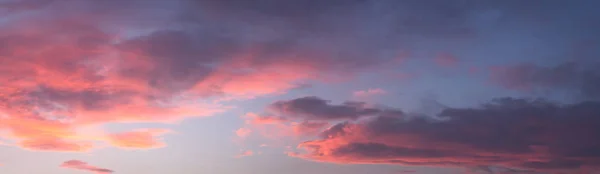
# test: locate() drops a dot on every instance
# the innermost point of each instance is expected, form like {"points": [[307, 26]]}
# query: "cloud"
{"points": [[255, 119], [305, 117], [308, 128], [243, 132], [273, 127], [55, 144], [531, 135], [44, 135], [314, 108], [579, 78], [245, 154], [138, 139], [68, 66], [369, 92], [80, 165]]}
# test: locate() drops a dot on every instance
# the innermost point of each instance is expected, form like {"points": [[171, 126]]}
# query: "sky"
{"points": [[299, 86]]}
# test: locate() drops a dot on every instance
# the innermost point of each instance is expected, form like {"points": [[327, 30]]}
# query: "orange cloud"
{"points": [[138, 139], [80, 165]]}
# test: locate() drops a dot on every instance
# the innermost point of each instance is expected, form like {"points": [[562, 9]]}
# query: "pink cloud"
{"points": [[252, 118], [50, 144], [245, 154], [80, 165], [243, 132]]}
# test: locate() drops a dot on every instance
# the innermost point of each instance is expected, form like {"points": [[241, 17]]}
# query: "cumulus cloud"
{"points": [[80, 165], [523, 134]]}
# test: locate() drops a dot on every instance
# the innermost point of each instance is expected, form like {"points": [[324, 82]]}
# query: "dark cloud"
{"points": [[178, 59], [314, 108], [515, 133]]}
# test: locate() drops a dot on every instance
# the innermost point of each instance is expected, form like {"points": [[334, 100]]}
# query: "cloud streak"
{"points": [[80, 165]]}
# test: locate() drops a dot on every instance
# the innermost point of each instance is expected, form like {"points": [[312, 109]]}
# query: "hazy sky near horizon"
{"points": [[299, 86]]}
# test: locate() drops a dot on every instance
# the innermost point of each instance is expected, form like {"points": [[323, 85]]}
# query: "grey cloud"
{"points": [[314, 108]]}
